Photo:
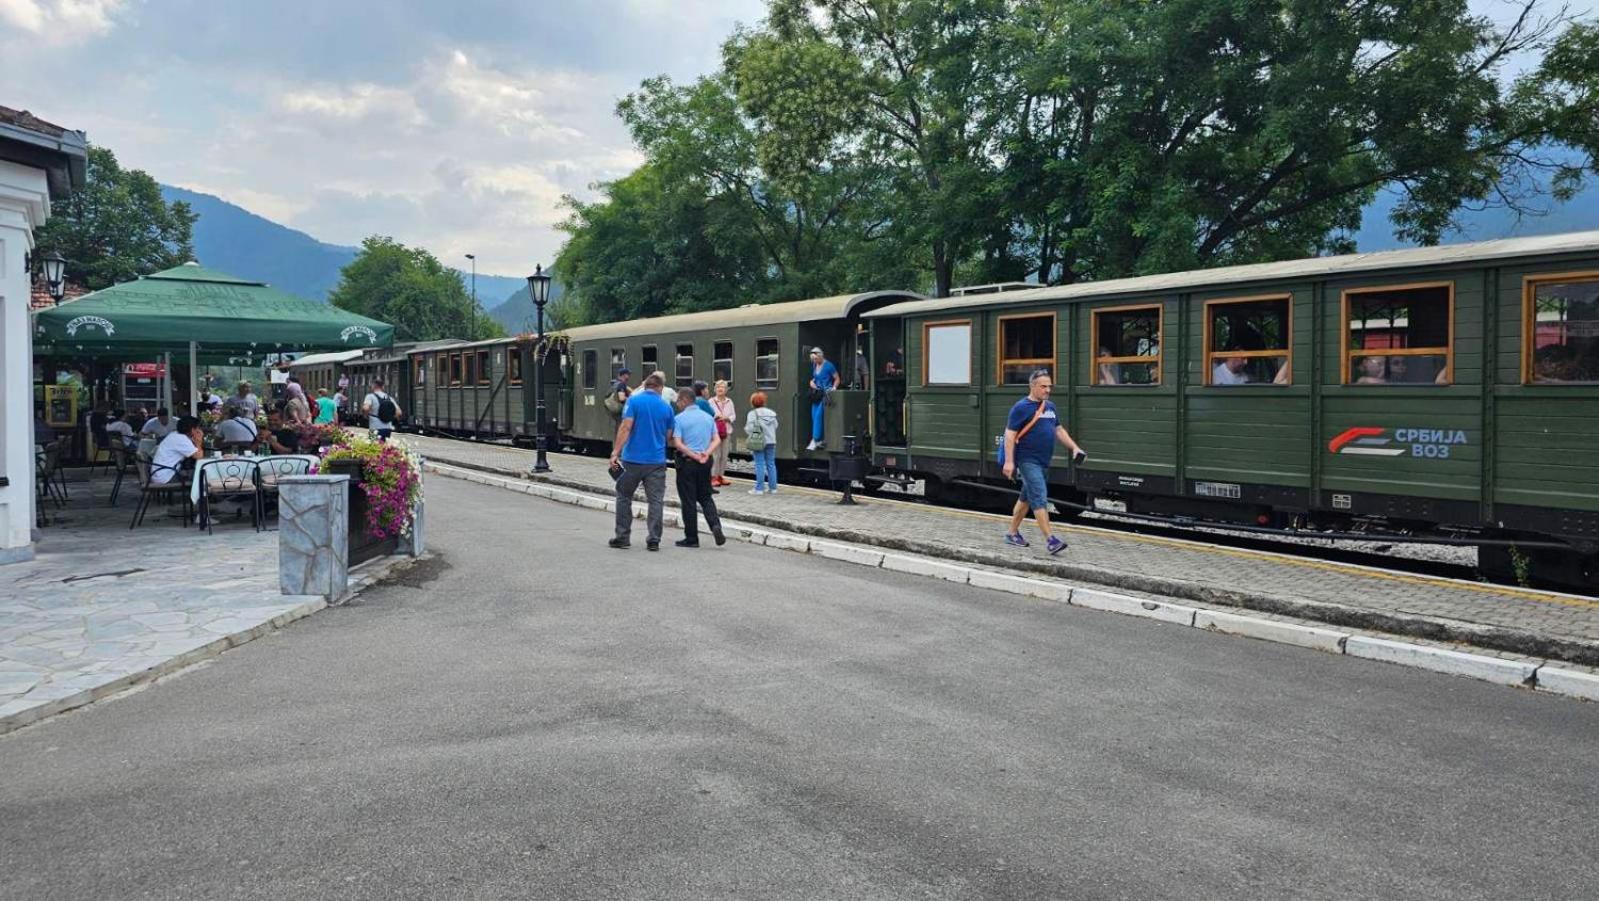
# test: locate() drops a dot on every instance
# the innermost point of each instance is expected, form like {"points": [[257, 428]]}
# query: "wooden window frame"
{"points": [[727, 359], [677, 359], [457, 370], [1347, 353], [1529, 335], [469, 373], [652, 365], [777, 359], [441, 370], [483, 367], [618, 362], [1159, 359], [513, 365], [927, 349], [588, 378], [1001, 361], [1286, 353]]}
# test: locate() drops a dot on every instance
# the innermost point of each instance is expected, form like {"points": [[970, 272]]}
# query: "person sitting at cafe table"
{"points": [[281, 437], [238, 429], [42, 433], [120, 429], [160, 425], [185, 442]]}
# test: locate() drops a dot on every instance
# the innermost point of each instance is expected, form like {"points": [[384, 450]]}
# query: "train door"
{"points": [[886, 350]]}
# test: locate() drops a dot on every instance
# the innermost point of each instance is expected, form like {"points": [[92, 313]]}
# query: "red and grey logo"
{"points": [[1365, 440]]}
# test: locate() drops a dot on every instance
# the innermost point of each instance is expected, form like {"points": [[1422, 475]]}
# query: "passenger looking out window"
{"points": [[1409, 324], [1247, 341], [1128, 342]]}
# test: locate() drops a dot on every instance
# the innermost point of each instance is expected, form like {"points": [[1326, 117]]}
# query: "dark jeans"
{"points": [[653, 477], [694, 487]]}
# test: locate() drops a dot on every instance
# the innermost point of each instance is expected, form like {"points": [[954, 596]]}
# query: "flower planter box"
{"points": [[363, 545]]}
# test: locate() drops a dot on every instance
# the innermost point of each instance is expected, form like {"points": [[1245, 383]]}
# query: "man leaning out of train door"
{"points": [[824, 379], [1030, 436]]}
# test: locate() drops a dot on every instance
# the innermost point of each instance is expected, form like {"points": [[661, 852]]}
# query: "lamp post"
{"points": [[538, 289], [473, 258], [55, 267]]}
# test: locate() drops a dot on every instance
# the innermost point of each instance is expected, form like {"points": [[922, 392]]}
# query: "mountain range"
{"points": [[237, 241]]}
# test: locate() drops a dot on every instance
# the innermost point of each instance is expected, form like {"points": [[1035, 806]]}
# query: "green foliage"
{"points": [[891, 143], [411, 289], [117, 227]]}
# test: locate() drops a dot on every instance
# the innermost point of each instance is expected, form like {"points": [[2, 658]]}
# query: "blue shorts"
{"points": [[1035, 484]]}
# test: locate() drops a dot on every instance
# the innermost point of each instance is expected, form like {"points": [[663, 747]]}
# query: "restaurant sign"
{"points": [[358, 330], [88, 322]]}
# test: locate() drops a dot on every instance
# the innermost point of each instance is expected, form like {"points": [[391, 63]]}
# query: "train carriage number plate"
{"points": [[1343, 502], [1218, 489]]}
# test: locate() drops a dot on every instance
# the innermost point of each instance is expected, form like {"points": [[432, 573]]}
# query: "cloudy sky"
{"points": [[457, 126]]}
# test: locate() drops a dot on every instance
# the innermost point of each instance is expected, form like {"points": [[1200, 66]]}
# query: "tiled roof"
{"points": [[21, 118], [40, 298]]}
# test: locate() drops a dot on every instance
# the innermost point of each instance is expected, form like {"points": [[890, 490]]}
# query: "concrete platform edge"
{"points": [[1521, 673]]}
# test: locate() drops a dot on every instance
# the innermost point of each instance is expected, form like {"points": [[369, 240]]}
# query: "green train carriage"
{"points": [[754, 347], [1443, 391]]}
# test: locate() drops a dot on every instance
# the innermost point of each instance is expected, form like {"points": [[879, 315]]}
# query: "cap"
{"points": [[624, 371], [817, 350]]}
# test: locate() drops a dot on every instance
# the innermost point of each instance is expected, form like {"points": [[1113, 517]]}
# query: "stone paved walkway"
{"points": [[101, 607], [1538, 623]]}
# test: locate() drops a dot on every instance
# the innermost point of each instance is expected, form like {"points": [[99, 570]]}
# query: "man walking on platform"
{"points": [[694, 436], [1030, 436], [640, 453]]}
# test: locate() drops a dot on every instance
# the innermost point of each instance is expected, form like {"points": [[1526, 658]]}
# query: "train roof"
{"points": [[400, 351], [337, 356], [814, 310], [1289, 270]]}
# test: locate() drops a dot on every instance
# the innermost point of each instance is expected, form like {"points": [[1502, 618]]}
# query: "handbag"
{"points": [[999, 452], [817, 394]]}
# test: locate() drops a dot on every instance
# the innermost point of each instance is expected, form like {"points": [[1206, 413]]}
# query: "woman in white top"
{"points": [[726, 415], [760, 436]]}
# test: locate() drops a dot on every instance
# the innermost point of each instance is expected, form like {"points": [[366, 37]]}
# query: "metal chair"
{"points": [[271, 469], [228, 477], [122, 459], [147, 490], [52, 483]]}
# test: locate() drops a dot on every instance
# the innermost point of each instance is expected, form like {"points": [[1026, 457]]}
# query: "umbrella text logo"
{"points": [[87, 322], [358, 330]]}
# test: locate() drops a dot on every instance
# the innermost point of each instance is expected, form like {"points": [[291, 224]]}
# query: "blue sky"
{"points": [[456, 126]]}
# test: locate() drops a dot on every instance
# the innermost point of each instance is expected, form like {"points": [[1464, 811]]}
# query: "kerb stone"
{"points": [[1441, 660], [1131, 606], [1575, 683], [847, 553], [1329, 640], [921, 566], [1033, 588]]}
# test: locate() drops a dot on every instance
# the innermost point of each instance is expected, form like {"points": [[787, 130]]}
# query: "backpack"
{"points": [[754, 434], [386, 409]]}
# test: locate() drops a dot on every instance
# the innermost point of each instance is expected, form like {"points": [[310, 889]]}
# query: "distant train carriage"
{"points": [[481, 389], [1450, 390], [316, 371], [395, 367], [754, 347]]}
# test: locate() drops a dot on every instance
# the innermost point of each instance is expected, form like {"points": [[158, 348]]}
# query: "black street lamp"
{"points": [[538, 289], [473, 258], [55, 267]]}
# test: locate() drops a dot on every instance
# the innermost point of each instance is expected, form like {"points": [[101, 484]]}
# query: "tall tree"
{"points": [[408, 287], [117, 227]]}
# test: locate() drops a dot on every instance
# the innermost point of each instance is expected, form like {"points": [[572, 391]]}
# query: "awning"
{"points": [[230, 319]]}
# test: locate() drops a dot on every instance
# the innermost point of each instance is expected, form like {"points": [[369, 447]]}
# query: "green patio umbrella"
{"points": [[221, 315], [215, 317]]}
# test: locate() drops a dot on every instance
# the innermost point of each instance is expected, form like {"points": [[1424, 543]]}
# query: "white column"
{"points": [[194, 379], [24, 204]]}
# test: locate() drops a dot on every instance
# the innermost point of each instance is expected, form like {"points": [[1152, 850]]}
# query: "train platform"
{"points": [[1505, 619]]}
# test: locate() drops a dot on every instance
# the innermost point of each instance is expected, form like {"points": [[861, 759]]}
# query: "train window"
{"points": [[722, 362], [516, 365], [649, 361], [455, 370], [1127, 345], [483, 367], [1247, 341], [768, 372], [618, 361], [1399, 335], [421, 370], [591, 368], [1026, 344], [947, 353], [1560, 334], [441, 369], [685, 365], [471, 369]]}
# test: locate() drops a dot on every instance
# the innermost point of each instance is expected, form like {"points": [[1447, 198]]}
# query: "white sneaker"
{"points": [[811, 446], [756, 491]]}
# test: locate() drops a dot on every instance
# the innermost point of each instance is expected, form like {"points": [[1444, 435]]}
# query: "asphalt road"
{"points": [[533, 715]]}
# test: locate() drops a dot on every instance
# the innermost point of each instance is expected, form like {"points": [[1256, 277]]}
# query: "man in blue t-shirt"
{"points": [[824, 379], [1030, 436], [640, 452]]}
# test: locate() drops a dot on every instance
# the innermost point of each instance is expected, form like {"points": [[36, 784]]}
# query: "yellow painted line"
{"points": [[1200, 546]]}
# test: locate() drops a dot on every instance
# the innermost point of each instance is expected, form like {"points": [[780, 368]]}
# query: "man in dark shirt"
{"points": [[1030, 436]]}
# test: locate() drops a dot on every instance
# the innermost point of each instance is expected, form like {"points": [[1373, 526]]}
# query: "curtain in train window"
{"points": [[1126, 346], [1561, 331], [722, 362], [1398, 335], [685, 365], [514, 355], [947, 353], [455, 370], [1247, 341], [768, 372]]}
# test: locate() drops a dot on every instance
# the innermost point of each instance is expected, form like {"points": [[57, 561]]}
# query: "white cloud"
{"points": [[59, 22]]}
